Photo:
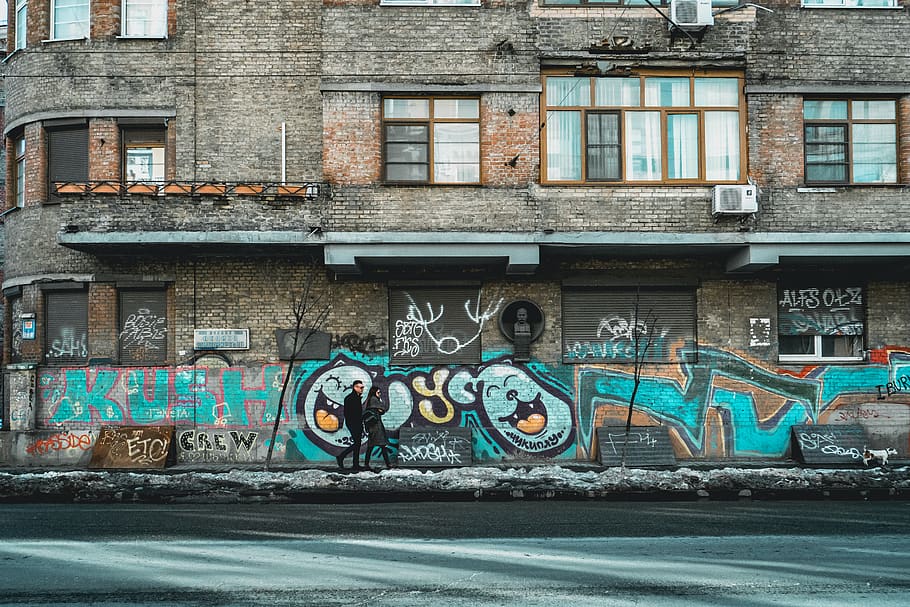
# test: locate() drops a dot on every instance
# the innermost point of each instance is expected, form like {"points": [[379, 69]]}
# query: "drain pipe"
{"points": [[284, 153]]}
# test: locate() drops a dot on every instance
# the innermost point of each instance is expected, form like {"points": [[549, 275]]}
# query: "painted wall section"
{"points": [[722, 406]]}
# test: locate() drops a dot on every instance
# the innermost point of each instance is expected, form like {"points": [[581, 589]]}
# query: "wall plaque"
{"points": [[221, 339]]}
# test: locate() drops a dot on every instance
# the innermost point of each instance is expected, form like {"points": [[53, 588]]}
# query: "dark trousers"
{"points": [[385, 455], [355, 447]]}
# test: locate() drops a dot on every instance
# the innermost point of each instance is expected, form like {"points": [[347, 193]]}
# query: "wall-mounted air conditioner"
{"points": [[735, 199], [691, 13]]}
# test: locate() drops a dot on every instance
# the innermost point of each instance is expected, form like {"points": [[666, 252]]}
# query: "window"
{"points": [[21, 20], [820, 322], [145, 18], [607, 324], [850, 141], [69, 19], [437, 325], [850, 4], [429, 2], [431, 140], [661, 128], [67, 154], [19, 148], [609, 3], [143, 154], [143, 326], [66, 323]]}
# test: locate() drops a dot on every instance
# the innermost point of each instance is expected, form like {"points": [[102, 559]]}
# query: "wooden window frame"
{"points": [[430, 122], [664, 111], [848, 123], [20, 167], [621, 3]]}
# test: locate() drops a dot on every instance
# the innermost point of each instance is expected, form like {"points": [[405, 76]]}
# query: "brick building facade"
{"points": [[177, 176]]}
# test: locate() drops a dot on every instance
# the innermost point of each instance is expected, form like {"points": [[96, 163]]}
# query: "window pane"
{"points": [[406, 152], [456, 108], [406, 132], [874, 153], [643, 148], [624, 92], [564, 146], [21, 19], [145, 164], [826, 172], [456, 153], [717, 92], [825, 134], [70, 19], [407, 108], [682, 146], [824, 110], [722, 146], [407, 172], [145, 18], [842, 346], [565, 91], [797, 344], [603, 146], [667, 92], [873, 110]]}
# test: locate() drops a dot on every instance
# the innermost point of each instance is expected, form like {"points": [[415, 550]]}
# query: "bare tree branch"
{"points": [[309, 316]]}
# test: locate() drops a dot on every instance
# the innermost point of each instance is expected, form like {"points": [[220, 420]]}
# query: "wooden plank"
{"points": [[435, 447], [141, 447], [647, 446], [829, 444]]}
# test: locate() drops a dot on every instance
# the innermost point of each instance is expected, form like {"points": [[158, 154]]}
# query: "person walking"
{"points": [[374, 409], [353, 419]]}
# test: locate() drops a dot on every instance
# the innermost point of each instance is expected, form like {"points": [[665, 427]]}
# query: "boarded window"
{"points": [[608, 324], [143, 326], [66, 323], [440, 325], [67, 155]]}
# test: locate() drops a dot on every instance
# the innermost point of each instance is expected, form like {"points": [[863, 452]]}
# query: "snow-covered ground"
{"points": [[546, 481]]}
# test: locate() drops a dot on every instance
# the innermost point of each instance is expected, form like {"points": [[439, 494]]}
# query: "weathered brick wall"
{"points": [[103, 316], [104, 152]]}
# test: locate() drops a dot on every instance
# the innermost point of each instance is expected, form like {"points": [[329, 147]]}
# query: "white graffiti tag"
{"points": [[144, 329], [416, 324]]}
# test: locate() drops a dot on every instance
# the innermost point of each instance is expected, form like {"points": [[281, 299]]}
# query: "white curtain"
{"points": [[643, 146], [682, 144], [564, 146], [722, 149]]}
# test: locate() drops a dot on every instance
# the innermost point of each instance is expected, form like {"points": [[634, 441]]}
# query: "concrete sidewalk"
{"points": [[215, 483]]}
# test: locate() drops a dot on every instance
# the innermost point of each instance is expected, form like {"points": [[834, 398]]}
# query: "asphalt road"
{"points": [[739, 554]]}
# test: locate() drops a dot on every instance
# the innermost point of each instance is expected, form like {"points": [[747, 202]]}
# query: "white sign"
{"points": [[221, 339]]}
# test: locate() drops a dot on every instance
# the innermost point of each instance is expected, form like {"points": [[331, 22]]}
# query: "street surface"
{"points": [[739, 554]]}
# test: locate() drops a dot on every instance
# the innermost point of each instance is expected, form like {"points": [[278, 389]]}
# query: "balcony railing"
{"points": [[308, 190]]}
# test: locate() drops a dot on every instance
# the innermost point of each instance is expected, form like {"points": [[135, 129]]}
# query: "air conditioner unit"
{"points": [[735, 199], [691, 13]]}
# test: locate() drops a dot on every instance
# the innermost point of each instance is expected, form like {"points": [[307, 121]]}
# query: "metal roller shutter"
{"points": [[435, 325], [143, 327], [599, 324], [821, 310], [66, 323], [67, 155]]}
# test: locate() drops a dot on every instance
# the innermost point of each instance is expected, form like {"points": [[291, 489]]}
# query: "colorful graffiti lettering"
{"points": [[716, 404]]}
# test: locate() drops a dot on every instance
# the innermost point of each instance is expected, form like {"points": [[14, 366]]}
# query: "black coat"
{"points": [[353, 413]]}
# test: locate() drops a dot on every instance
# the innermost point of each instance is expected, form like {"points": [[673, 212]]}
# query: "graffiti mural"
{"points": [[715, 404]]}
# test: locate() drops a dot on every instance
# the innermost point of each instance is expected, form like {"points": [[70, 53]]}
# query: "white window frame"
{"points": [[125, 20], [850, 4], [21, 24], [429, 3], [87, 20], [816, 354]]}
